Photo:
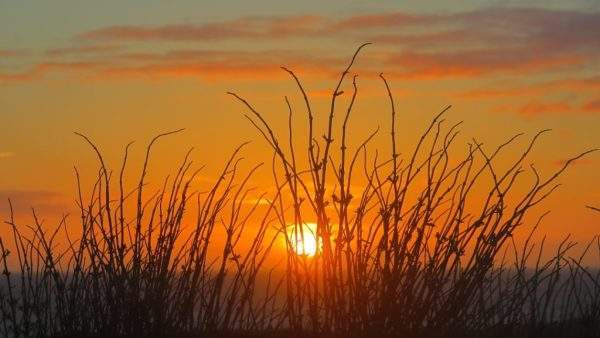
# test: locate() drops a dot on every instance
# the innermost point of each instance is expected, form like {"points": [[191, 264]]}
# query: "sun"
{"points": [[303, 239]]}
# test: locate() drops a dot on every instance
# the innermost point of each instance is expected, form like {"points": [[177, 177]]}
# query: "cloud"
{"points": [[533, 108], [206, 64], [207, 70], [241, 28], [488, 41], [44, 202], [6, 154], [82, 50], [592, 106], [382, 20], [552, 30], [222, 64], [536, 108], [484, 42], [591, 84], [10, 53], [38, 71], [477, 62]]}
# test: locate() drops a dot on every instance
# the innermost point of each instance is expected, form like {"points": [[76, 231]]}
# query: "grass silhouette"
{"points": [[396, 258]]}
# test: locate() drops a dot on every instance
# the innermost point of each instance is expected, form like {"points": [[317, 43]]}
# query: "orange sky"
{"points": [[127, 73]]}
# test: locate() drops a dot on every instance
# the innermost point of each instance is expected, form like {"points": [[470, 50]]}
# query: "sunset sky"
{"points": [[119, 71]]}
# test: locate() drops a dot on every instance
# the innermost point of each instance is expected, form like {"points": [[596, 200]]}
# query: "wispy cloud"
{"points": [[82, 50], [535, 108], [44, 202], [6, 154], [481, 43], [510, 27], [205, 64], [592, 106], [477, 62], [587, 84], [9, 53], [39, 70], [241, 28]]}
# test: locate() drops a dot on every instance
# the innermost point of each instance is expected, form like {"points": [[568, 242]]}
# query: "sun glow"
{"points": [[303, 239]]}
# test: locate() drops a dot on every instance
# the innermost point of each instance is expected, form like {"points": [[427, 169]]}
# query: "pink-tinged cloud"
{"points": [[533, 109], [40, 70], [213, 71], [383, 20], [476, 63], [486, 42], [82, 50], [441, 39], [10, 53], [536, 108], [592, 106], [204, 64], [590, 84], [210, 71], [242, 28], [171, 32], [44, 202], [509, 27]]}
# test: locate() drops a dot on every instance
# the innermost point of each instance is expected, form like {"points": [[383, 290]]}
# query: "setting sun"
{"points": [[303, 239]]}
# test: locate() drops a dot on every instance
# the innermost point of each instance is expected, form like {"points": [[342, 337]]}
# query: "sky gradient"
{"points": [[118, 72]]}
